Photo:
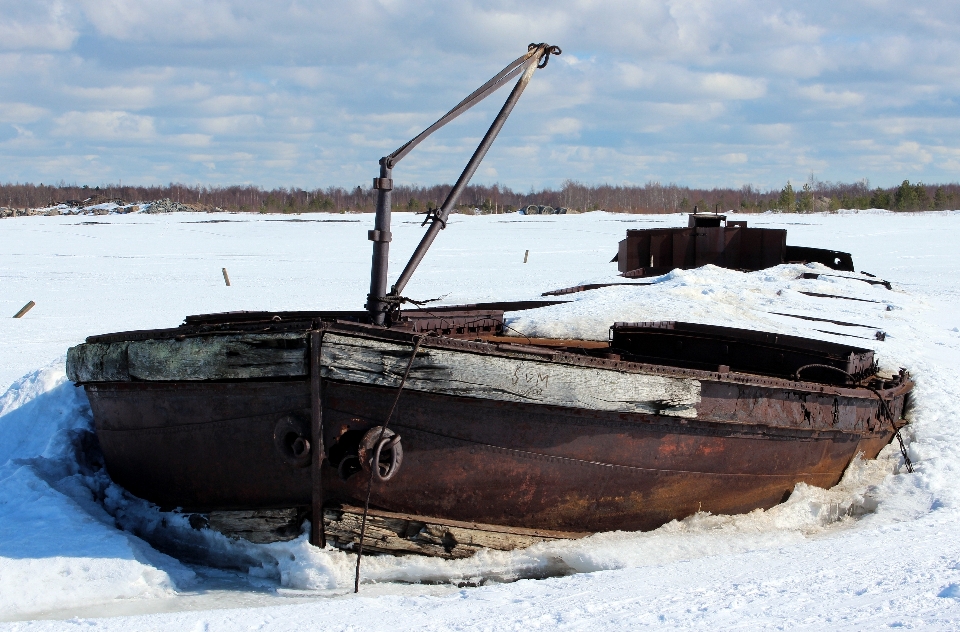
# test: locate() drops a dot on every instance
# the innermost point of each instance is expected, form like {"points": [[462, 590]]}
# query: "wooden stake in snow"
{"points": [[525, 255], [226, 277], [23, 310]]}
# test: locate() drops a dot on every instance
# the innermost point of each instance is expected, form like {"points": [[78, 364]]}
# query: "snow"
{"points": [[880, 549]]}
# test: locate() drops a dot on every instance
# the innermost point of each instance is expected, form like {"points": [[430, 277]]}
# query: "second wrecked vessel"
{"points": [[709, 239]]}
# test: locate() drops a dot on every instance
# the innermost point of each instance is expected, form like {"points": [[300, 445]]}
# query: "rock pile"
{"points": [[167, 205], [18, 212]]}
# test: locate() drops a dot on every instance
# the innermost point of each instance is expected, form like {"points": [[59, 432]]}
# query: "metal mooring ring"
{"points": [[291, 442], [371, 451]]}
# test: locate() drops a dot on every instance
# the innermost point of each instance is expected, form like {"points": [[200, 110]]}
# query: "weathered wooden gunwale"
{"points": [[108, 361], [522, 377], [499, 371], [220, 357]]}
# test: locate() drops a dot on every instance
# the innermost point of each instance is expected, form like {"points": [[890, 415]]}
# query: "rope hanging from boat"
{"points": [[796, 374], [883, 410], [903, 451], [374, 466]]}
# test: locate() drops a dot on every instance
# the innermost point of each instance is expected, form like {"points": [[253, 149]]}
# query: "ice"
{"points": [[58, 547], [879, 549]]}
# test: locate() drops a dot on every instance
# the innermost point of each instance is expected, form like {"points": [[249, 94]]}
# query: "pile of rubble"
{"points": [[111, 207], [541, 209], [167, 205], [22, 212]]}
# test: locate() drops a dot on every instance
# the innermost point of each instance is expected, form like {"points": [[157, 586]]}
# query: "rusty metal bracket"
{"points": [[379, 235], [383, 184], [433, 216]]}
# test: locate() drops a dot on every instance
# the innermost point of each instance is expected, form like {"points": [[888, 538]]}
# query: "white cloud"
{"points": [[312, 77], [567, 126], [193, 91], [673, 113], [791, 25], [230, 103], [917, 125], [105, 125], [126, 97], [190, 140], [20, 113], [212, 158], [913, 153], [734, 158], [36, 25], [643, 89], [241, 124], [634, 76], [772, 131], [841, 98], [665, 82], [731, 87], [166, 20]]}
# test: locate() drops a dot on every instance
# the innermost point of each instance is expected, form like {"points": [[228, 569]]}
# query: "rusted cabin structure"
{"points": [[711, 239]]}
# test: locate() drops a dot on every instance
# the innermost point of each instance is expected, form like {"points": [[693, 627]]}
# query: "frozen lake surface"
{"points": [[882, 549]]}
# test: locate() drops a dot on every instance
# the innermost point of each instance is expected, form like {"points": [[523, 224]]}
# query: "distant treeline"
{"points": [[652, 197]]}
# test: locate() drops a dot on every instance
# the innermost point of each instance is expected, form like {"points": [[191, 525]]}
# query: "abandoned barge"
{"points": [[709, 239], [459, 436]]}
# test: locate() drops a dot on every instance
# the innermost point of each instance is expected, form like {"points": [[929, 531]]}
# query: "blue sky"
{"points": [[311, 94]]}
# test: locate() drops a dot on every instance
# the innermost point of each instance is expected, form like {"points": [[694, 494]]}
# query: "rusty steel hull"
{"points": [[204, 446], [711, 239]]}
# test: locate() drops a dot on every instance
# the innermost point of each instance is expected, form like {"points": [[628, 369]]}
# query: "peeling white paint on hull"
{"points": [[514, 379]]}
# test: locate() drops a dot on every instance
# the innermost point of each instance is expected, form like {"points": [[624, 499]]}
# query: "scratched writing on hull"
{"points": [[529, 382]]}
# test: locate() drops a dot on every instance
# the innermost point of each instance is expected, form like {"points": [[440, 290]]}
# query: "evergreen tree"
{"points": [[788, 199], [805, 200], [921, 197], [905, 197], [941, 199], [880, 199]]}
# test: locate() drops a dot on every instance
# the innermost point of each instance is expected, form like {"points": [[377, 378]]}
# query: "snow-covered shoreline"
{"points": [[880, 549]]}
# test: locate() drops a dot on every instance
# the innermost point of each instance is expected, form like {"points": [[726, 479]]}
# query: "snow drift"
{"points": [[70, 537]]}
